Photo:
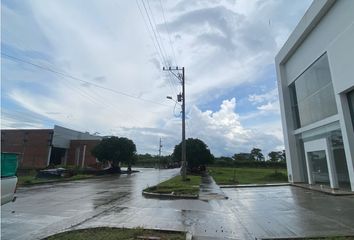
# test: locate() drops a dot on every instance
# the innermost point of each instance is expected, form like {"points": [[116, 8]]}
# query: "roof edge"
{"points": [[308, 22]]}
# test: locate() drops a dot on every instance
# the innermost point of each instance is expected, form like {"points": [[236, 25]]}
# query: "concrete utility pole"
{"points": [[181, 97], [160, 147]]}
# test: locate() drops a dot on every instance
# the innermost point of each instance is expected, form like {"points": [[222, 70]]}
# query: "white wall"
{"points": [[341, 59], [324, 35], [328, 26], [62, 136]]}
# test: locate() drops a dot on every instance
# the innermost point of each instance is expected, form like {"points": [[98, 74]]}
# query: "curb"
{"points": [[53, 181], [255, 185], [59, 180], [323, 191], [168, 196]]}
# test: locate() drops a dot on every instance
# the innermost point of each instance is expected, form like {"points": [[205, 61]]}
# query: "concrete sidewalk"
{"points": [[209, 190]]}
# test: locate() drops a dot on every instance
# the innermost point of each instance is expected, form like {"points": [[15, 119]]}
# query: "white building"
{"points": [[315, 70]]}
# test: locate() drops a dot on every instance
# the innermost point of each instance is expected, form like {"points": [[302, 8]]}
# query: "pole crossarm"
{"points": [[172, 70]]}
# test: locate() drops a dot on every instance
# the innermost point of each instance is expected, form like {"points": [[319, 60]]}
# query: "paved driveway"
{"points": [[117, 201]]}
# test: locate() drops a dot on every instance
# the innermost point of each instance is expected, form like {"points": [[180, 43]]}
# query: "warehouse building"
{"points": [[40, 148]]}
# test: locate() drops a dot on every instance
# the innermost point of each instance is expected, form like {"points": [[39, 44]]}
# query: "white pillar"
{"points": [[83, 157], [77, 156], [292, 156], [347, 133], [333, 179], [309, 169], [49, 153]]}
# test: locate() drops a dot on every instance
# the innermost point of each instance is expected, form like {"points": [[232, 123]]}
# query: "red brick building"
{"points": [[80, 153], [40, 148], [33, 145]]}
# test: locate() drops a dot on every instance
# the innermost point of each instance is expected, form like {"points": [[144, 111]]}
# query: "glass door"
{"points": [[320, 164]]}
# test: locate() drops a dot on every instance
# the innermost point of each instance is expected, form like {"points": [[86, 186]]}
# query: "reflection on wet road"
{"points": [[117, 201]]}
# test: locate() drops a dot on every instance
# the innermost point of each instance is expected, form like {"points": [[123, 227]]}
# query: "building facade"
{"points": [[33, 145], [40, 148], [79, 153], [315, 71]]}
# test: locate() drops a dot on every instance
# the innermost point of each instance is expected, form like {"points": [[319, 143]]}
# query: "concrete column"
{"points": [[83, 157], [77, 156], [49, 153], [333, 179], [292, 156], [309, 169], [346, 126]]}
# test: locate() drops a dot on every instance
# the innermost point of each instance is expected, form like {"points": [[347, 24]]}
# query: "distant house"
{"points": [[315, 69], [39, 148]]}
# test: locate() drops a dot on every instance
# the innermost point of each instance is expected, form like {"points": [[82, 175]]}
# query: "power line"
{"points": [[158, 39], [158, 33], [97, 100], [162, 45], [79, 79], [159, 53], [153, 30], [149, 32], [168, 33]]}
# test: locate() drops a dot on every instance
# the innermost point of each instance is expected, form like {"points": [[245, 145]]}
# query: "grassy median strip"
{"points": [[117, 234], [27, 180], [229, 176], [176, 186]]}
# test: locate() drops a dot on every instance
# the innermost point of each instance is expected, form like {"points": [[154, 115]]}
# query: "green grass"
{"points": [[177, 186], [229, 176], [337, 238], [116, 234], [27, 180], [327, 238], [333, 238]]}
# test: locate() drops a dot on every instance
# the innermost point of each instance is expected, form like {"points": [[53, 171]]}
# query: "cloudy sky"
{"points": [[96, 66]]}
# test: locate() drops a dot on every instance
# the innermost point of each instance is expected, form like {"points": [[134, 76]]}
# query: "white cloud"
{"points": [[270, 107], [271, 95], [222, 44], [224, 133], [266, 103]]}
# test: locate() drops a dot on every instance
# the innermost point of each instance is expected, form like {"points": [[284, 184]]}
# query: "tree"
{"points": [[282, 156], [256, 154], [274, 156], [197, 153], [242, 156], [116, 150]]}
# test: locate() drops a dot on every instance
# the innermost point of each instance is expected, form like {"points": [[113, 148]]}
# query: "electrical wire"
{"points": [[66, 75], [150, 31], [168, 33], [158, 39], [158, 33], [174, 110], [155, 35]]}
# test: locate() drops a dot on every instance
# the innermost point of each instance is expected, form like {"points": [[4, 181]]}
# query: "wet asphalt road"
{"points": [[117, 201]]}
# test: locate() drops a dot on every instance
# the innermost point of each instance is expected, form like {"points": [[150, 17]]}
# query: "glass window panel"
{"points": [[351, 104], [294, 106], [314, 94], [319, 167]]}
